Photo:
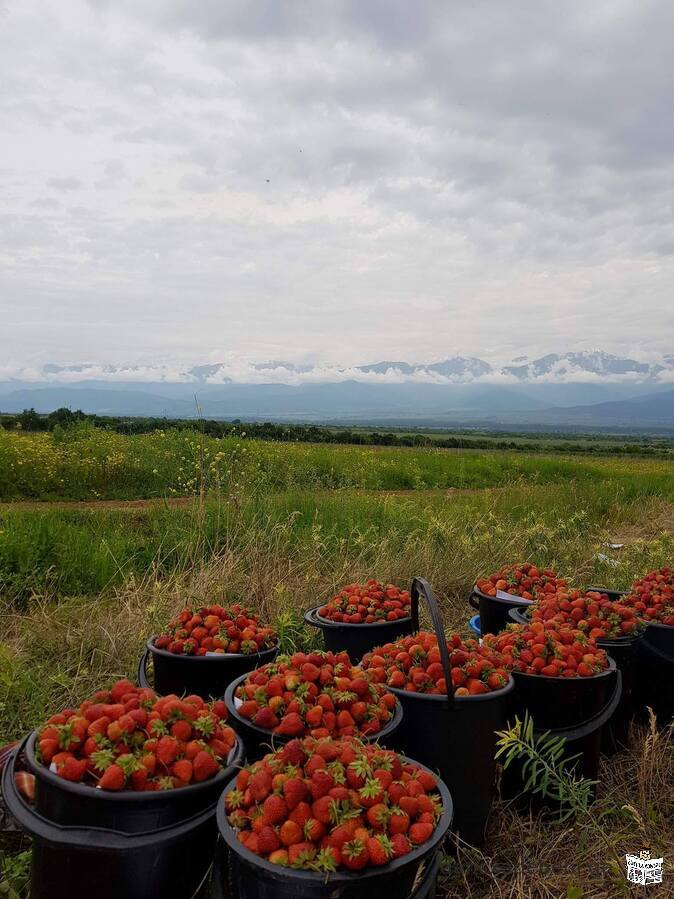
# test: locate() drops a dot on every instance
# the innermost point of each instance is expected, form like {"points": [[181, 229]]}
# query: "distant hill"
{"points": [[355, 402]]}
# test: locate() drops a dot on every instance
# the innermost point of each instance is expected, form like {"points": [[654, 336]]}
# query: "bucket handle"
{"points": [[94, 837], [421, 587], [474, 601], [602, 717], [141, 674]]}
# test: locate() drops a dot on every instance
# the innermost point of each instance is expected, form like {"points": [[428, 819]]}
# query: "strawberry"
{"points": [[291, 833], [300, 854], [260, 784], [379, 850], [167, 750], [182, 731], [355, 855], [182, 769], [268, 841], [420, 832], [275, 809], [204, 766], [401, 845], [295, 791], [113, 778]]}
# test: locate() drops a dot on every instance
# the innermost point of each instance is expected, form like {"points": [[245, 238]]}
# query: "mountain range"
{"points": [[584, 390]]}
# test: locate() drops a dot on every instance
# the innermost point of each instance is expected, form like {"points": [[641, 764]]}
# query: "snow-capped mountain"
{"points": [[554, 368], [565, 366]]}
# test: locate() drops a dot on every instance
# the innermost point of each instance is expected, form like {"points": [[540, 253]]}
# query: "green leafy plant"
{"points": [[14, 875], [546, 771]]}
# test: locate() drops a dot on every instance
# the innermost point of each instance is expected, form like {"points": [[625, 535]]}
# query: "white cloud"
{"points": [[339, 182]]}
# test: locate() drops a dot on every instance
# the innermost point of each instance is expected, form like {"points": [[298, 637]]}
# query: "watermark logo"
{"points": [[643, 869]]}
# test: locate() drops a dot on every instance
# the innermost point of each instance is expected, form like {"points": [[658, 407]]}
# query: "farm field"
{"points": [[103, 536]]}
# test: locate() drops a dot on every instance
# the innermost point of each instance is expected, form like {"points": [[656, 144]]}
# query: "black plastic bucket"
{"points": [[76, 804], [171, 861], [624, 652], [259, 741], [494, 610], [251, 877], [206, 676], [654, 667], [221, 886], [655, 672], [455, 736], [573, 708], [357, 639]]}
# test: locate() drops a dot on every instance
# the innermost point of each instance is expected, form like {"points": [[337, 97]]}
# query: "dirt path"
{"points": [[122, 505], [176, 502]]}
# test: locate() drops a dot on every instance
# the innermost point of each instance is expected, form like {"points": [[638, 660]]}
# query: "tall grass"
{"points": [[62, 551], [89, 463]]}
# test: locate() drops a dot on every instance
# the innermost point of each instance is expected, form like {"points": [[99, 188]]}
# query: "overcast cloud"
{"points": [[334, 181]]}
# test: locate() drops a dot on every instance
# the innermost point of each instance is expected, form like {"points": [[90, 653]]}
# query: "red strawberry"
{"points": [[267, 840], [275, 809], [291, 833], [377, 816], [112, 778], [322, 809], [182, 769], [379, 849], [355, 855], [301, 813], [167, 750], [72, 769], [314, 830], [204, 766], [401, 845], [266, 718], [293, 753], [399, 821], [420, 832], [300, 854], [260, 785], [181, 730], [291, 725], [321, 783], [295, 791]]}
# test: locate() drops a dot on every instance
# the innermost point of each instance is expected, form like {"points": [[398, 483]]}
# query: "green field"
{"points": [[171, 516]]}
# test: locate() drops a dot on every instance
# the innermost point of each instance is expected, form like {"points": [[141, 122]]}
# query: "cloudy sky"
{"points": [[339, 181]]}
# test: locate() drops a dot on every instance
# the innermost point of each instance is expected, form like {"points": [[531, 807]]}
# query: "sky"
{"points": [[338, 182]]}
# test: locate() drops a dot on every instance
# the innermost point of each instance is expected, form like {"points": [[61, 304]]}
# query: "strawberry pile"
{"points": [[592, 612], [543, 648], [319, 693], [368, 603], [526, 580], [216, 629], [128, 738], [413, 664], [652, 597], [325, 805]]}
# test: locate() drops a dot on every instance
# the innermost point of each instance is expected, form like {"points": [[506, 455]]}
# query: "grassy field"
{"points": [[281, 525], [86, 463]]}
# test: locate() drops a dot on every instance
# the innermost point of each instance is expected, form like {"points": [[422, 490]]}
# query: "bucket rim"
{"points": [[442, 697], [574, 680], [227, 833], [215, 657], [283, 738], [311, 616], [659, 624], [515, 600], [235, 757]]}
